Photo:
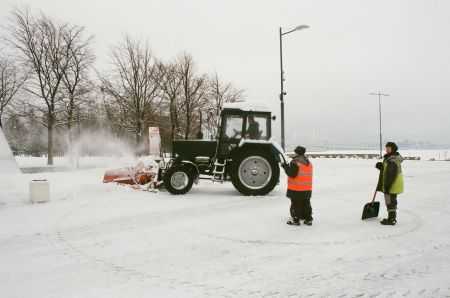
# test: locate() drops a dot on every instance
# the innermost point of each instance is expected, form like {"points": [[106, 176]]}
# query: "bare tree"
{"points": [[134, 85], [193, 91], [45, 46], [171, 85], [219, 93], [11, 80], [75, 79]]}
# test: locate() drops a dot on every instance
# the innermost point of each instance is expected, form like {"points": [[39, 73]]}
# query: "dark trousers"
{"points": [[300, 205], [391, 202]]}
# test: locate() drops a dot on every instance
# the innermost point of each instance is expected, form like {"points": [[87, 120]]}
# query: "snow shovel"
{"points": [[371, 209]]}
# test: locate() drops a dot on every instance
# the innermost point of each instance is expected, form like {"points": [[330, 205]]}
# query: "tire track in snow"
{"points": [[204, 289], [158, 281], [417, 224]]}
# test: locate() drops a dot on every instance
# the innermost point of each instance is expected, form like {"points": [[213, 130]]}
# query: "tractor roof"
{"points": [[246, 107]]}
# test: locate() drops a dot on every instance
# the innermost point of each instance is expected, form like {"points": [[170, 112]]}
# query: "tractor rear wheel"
{"points": [[178, 180], [255, 172]]}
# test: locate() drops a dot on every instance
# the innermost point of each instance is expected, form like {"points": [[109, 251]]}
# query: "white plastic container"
{"points": [[39, 191]]}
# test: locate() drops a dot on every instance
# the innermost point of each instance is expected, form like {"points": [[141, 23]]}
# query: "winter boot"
{"points": [[308, 222], [391, 220], [293, 222]]}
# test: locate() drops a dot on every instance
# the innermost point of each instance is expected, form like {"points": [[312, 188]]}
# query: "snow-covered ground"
{"points": [[103, 240]]}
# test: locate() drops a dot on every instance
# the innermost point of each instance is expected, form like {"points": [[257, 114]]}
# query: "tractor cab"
{"points": [[238, 124]]}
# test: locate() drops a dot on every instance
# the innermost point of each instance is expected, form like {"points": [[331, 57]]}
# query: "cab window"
{"points": [[257, 127], [233, 127]]}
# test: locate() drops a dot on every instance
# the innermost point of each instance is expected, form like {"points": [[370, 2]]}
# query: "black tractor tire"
{"points": [[255, 172], [178, 179]]}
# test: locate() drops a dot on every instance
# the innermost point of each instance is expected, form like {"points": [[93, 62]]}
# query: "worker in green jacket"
{"points": [[390, 181]]}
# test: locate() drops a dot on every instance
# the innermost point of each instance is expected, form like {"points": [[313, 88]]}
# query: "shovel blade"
{"points": [[371, 210]]}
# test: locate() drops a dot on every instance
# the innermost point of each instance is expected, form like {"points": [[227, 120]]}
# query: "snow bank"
{"points": [[8, 164]]}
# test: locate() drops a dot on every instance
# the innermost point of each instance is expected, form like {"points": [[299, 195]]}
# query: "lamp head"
{"points": [[301, 27]]}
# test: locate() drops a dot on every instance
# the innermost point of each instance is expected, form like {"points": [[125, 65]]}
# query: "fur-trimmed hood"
{"points": [[394, 157], [302, 159]]}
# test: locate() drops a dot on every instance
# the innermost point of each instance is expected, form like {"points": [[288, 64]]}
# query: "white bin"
{"points": [[39, 191]]}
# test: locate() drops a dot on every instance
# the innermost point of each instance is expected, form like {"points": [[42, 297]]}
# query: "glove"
{"points": [[379, 165]]}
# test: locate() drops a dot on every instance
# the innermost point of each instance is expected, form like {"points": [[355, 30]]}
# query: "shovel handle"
{"points": [[374, 196]]}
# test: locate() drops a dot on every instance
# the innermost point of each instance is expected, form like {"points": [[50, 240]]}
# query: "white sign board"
{"points": [[154, 141]]}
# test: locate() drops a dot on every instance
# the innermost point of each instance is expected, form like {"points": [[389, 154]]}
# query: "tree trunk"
{"points": [[138, 139], [50, 139], [173, 119], [138, 135], [69, 131], [78, 123], [70, 119], [77, 161], [188, 125]]}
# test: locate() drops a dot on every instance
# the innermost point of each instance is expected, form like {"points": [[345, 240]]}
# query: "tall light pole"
{"points": [[282, 92], [379, 94]]}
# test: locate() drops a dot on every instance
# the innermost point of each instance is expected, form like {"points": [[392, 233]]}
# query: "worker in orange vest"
{"points": [[300, 182]]}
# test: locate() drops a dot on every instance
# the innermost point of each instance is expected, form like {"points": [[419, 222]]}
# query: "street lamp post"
{"points": [[379, 94], [282, 92]]}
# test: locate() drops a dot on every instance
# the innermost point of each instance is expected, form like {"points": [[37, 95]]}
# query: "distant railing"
{"points": [[350, 155]]}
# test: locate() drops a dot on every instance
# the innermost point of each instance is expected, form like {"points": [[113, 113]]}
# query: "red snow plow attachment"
{"points": [[141, 174], [127, 176]]}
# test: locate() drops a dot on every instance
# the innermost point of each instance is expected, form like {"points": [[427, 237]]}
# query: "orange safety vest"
{"points": [[304, 179]]}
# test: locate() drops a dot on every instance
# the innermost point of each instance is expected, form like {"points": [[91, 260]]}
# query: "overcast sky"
{"points": [[401, 47]]}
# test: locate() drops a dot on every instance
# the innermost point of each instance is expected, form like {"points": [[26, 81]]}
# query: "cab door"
{"points": [[231, 133]]}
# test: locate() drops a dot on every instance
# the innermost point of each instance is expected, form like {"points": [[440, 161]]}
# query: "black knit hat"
{"points": [[393, 146], [300, 150]]}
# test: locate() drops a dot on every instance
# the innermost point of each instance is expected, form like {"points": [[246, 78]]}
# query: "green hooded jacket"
{"points": [[391, 175]]}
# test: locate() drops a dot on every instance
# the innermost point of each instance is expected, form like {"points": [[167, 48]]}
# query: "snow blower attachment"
{"points": [[144, 173], [371, 209]]}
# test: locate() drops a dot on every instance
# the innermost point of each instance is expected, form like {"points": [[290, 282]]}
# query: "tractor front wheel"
{"points": [[178, 180], [255, 173]]}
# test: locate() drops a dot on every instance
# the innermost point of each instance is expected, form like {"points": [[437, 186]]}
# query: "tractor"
{"points": [[242, 153]]}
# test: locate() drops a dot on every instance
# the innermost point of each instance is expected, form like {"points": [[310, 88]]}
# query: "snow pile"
{"points": [[8, 164]]}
